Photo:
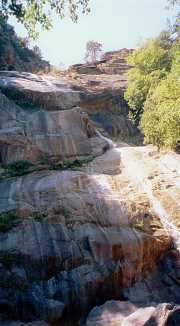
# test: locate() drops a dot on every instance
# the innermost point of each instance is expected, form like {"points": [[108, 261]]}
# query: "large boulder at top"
{"points": [[85, 69], [33, 91], [119, 313], [34, 135], [101, 96]]}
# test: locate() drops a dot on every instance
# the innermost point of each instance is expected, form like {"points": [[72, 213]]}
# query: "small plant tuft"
{"points": [[7, 220], [21, 168], [15, 169], [39, 215], [66, 212], [7, 260], [73, 165]]}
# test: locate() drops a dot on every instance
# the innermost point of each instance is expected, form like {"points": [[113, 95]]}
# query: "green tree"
{"points": [[33, 12], [93, 51], [151, 62], [160, 121], [37, 51]]}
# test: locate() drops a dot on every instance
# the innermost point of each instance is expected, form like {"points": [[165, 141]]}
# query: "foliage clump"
{"points": [[73, 164], [153, 93], [7, 220], [93, 51], [20, 168], [161, 118], [39, 13], [16, 169]]}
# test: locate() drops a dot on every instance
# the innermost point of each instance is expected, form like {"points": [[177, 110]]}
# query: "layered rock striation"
{"points": [[111, 63], [39, 126], [105, 81]]}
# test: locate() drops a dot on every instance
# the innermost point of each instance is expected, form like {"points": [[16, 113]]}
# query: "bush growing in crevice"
{"points": [[73, 165], [8, 260], [8, 220], [15, 169], [22, 167], [39, 215]]}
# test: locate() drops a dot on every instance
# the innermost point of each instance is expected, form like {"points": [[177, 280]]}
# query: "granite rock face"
{"points": [[78, 239], [101, 96], [75, 235], [115, 62], [30, 90], [106, 81], [111, 63], [35, 134]]}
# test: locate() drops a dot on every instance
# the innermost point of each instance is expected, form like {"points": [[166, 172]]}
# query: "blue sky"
{"points": [[115, 23]]}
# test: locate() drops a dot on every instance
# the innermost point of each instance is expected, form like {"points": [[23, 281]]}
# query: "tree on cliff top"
{"points": [[39, 12], [93, 51]]}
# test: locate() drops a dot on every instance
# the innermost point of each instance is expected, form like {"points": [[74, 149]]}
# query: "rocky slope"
{"points": [[105, 82], [82, 220], [15, 54], [112, 63]]}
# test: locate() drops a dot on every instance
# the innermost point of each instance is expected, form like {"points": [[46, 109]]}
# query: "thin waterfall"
{"points": [[109, 141], [135, 171]]}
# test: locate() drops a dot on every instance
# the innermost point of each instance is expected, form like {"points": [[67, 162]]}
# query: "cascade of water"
{"points": [[163, 215], [109, 141], [136, 171]]}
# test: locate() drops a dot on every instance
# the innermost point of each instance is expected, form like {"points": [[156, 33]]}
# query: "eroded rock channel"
{"points": [[83, 222]]}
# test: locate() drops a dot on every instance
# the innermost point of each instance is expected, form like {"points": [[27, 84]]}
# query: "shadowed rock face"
{"points": [[75, 240], [15, 53]]}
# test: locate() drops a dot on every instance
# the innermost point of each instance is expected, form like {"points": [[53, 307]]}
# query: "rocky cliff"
{"points": [[82, 219], [111, 63], [105, 81]]}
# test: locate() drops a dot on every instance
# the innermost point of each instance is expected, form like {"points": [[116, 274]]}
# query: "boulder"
{"points": [[119, 313], [40, 135], [101, 96], [33, 91]]}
